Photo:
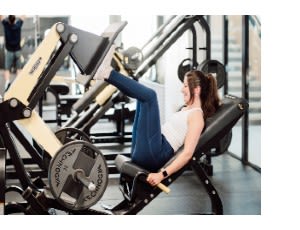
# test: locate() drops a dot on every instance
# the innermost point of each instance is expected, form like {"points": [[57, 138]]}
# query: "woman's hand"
{"points": [[155, 178]]}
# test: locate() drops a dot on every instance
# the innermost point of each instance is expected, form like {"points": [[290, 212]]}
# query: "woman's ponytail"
{"points": [[209, 96]]}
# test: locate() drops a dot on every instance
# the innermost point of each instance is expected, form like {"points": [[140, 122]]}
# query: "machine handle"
{"points": [[164, 188]]}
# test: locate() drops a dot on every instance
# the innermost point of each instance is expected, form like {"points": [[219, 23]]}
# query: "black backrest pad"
{"points": [[60, 88], [221, 122]]}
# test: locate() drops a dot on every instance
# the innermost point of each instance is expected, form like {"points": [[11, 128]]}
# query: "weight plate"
{"points": [[73, 157], [68, 134], [216, 68], [132, 58], [222, 145]]}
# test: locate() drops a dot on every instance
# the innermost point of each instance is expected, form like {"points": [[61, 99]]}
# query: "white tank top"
{"points": [[175, 129]]}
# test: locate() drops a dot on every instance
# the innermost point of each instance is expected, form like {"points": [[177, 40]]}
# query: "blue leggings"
{"points": [[150, 149]]}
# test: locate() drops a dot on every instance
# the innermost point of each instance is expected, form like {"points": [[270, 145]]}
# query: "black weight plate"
{"points": [[216, 68], [132, 58]]}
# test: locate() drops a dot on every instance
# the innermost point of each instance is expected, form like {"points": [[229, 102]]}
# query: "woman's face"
{"points": [[186, 91]]}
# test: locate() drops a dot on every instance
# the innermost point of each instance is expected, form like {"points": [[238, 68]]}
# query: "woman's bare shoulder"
{"points": [[196, 116]]}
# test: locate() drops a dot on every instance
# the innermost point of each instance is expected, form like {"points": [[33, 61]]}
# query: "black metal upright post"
{"points": [[194, 46], [205, 26], [245, 85]]}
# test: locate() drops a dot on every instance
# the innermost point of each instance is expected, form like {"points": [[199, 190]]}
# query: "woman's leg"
{"points": [[147, 136], [135, 122], [130, 87]]}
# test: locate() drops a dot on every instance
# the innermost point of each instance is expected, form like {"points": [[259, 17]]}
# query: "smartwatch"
{"points": [[165, 174]]}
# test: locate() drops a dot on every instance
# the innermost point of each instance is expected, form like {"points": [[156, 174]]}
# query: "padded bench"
{"points": [[63, 101]]}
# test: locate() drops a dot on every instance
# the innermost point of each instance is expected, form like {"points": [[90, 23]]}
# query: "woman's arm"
{"points": [[195, 127]]}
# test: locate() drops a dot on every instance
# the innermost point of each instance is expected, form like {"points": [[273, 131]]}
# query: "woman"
{"points": [[153, 145]]}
